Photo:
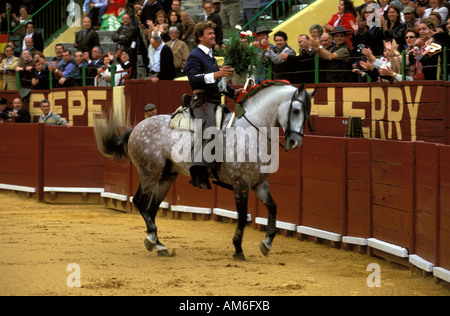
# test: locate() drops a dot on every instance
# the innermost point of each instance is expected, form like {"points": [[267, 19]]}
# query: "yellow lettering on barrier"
{"points": [[378, 115], [35, 100], [328, 109], [54, 107], [76, 110], [94, 108], [413, 108], [394, 94]]}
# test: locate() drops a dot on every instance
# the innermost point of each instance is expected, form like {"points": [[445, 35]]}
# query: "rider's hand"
{"points": [[225, 71]]}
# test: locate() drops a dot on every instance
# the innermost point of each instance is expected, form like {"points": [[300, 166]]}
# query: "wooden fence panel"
{"points": [[358, 188], [426, 199], [285, 188], [21, 155], [117, 177], [71, 158], [324, 183], [393, 192]]}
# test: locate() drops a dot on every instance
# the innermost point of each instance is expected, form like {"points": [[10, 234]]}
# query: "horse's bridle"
{"points": [[288, 127]]}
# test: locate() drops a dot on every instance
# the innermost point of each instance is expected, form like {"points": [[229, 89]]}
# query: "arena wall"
{"points": [[390, 196]]}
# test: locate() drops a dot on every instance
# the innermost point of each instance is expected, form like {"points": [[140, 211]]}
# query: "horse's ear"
{"points": [[311, 94], [301, 87]]}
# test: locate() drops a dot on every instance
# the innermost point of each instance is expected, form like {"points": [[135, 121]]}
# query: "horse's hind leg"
{"points": [[263, 193], [148, 205], [241, 198]]}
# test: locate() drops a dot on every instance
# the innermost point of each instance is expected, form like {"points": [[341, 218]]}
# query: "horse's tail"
{"points": [[112, 137]]}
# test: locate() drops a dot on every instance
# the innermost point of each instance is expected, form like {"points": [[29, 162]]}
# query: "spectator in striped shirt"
{"points": [[50, 118]]}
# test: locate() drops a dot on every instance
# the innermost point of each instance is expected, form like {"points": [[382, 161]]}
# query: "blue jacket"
{"points": [[197, 66]]}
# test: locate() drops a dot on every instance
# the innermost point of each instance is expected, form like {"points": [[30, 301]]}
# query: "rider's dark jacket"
{"points": [[200, 63]]}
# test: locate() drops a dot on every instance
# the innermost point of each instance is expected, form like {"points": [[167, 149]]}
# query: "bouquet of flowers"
{"points": [[240, 54]]}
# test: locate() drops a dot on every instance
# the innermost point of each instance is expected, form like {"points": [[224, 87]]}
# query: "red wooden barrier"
{"points": [[359, 188], [73, 166], [426, 200], [21, 157], [393, 192], [324, 183]]}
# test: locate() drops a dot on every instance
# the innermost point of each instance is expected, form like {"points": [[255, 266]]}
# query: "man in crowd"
{"points": [[8, 68], [19, 113], [150, 110], [303, 64], [93, 64], [263, 43], [48, 117], [87, 38], [29, 46], [67, 72], [280, 68], [57, 60], [38, 42], [162, 66], [210, 15], [25, 69], [339, 64], [180, 51], [126, 37]]}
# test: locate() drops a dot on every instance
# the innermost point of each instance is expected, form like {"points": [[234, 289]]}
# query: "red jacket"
{"points": [[345, 21]]}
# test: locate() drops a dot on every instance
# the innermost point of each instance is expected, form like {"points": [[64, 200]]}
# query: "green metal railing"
{"points": [[51, 18], [279, 10], [444, 65]]}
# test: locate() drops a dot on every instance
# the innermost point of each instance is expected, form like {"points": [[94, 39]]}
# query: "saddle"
{"points": [[183, 118]]}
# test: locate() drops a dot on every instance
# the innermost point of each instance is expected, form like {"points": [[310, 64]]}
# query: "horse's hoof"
{"points": [[264, 249], [148, 244], [239, 256], [163, 253]]}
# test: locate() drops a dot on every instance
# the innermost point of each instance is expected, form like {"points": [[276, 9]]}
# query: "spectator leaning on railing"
{"points": [[25, 69], [50, 118], [339, 65], [67, 71], [39, 77]]}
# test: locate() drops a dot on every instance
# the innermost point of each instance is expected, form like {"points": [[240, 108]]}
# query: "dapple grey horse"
{"points": [[156, 151]]}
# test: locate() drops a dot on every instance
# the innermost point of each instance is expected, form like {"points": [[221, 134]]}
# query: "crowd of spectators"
{"points": [[367, 41], [356, 42]]}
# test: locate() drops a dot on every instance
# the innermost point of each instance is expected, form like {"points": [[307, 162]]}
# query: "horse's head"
{"points": [[298, 114]]}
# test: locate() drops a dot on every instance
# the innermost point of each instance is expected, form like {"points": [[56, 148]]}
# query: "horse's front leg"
{"points": [[263, 193], [241, 198]]}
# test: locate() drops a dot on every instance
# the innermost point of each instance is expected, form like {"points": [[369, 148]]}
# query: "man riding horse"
{"points": [[204, 75]]}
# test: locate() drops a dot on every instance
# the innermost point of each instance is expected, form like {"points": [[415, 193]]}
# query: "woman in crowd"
{"points": [[103, 78], [393, 27], [175, 20], [425, 65], [345, 15], [123, 68], [160, 27]]}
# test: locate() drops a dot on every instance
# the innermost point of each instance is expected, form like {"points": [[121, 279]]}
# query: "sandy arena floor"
{"points": [[39, 241]]}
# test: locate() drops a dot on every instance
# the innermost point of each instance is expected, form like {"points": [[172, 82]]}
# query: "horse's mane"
{"points": [[245, 95]]}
